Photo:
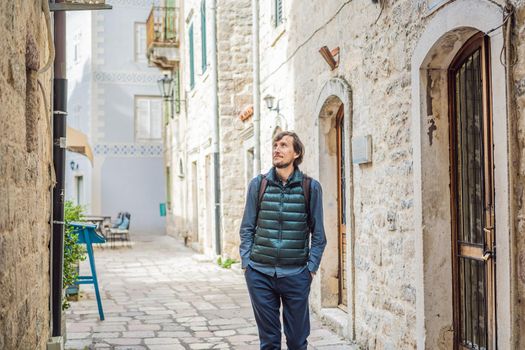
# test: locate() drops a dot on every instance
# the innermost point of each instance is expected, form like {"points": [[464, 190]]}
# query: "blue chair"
{"points": [[88, 236], [118, 222], [122, 230]]}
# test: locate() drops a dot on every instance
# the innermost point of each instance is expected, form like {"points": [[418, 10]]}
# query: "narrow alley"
{"points": [[371, 153], [159, 295]]}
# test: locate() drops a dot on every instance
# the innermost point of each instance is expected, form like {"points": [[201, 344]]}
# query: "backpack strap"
{"points": [[262, 188], [307, 181]]}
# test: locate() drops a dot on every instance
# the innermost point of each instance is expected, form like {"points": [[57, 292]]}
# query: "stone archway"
{"points": [[445, 34], [335, 94]]}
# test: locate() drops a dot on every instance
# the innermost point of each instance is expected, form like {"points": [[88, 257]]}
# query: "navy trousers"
{"points": [[266, 294]]}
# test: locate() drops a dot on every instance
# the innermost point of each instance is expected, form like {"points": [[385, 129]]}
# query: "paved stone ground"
{"points": [[159, 295]]}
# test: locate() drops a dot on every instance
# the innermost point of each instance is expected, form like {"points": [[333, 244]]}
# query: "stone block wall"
{"points": [[25, 178], [517, 165], [234, 71], [234, 24]]}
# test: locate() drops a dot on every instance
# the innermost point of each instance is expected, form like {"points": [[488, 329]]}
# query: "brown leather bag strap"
{"points": [[306, 190], [262, 188]]}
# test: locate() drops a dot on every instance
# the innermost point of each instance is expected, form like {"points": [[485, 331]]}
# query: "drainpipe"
{"points": [[256, 88], [215, 125], [59, 154], [513, 144]]}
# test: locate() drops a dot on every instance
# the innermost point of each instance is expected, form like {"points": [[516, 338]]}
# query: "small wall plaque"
{"points": [[362, 149]]}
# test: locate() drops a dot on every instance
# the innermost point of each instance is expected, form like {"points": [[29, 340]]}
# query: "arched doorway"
{"points": [[472, 196], [458, 182], [334, 296], [333, 178]]}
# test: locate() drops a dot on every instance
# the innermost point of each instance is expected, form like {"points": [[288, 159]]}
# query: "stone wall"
{"points": [[235, 94], [25, 178], [234, 70], [517, 167]]}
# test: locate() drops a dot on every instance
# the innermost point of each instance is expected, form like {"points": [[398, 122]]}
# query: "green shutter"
{"points": [[169, 21], [203, 35], [177, 91], [278, 12], [192, 59], [168, 187]]}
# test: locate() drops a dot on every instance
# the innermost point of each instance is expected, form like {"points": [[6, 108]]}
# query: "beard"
{"points": [[281, 164]]}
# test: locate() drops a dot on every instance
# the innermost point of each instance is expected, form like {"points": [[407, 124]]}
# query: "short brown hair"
{"points": [[298, 146]]}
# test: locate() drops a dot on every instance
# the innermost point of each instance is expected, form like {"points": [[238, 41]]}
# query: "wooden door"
{"points": [[472, 197], [341, 199]]}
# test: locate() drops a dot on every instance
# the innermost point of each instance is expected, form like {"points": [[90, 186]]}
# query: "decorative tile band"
{"points": [[138, 3], [128, 150], [126, 77]]}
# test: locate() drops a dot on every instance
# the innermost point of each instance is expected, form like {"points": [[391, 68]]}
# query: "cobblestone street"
{"points": [[160, 295]]}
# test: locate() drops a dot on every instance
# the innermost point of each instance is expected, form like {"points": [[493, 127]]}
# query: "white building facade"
{"points": [[114, 100]]}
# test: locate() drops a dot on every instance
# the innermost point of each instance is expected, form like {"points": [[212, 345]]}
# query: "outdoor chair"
{"points": [[118, 221], [122, 230]]}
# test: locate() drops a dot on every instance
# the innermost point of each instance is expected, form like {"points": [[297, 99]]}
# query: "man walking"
{"points": [[283, 211]]}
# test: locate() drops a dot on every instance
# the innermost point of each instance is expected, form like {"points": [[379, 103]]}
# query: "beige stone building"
{"points": [[416, 138], [190, 138], [412, 116], [25, 177]]}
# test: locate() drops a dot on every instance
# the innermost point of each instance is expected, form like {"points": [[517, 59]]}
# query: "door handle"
{"points": [[487, 255]]}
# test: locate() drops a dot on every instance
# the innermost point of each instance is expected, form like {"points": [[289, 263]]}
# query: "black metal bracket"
{"points": [[78, 7]]}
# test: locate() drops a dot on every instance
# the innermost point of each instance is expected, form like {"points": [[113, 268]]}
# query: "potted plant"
{"points": [[73, 252]]}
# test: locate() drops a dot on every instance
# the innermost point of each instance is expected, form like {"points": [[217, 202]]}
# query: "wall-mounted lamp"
{"points": [[270, 103], [73, 165], [329, 56], [166, 85]]}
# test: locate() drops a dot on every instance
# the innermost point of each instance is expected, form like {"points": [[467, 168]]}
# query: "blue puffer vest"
{"points": [[282, 234]]}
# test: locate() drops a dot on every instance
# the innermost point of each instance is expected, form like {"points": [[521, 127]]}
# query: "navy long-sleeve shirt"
{"points": [[248, 226]]}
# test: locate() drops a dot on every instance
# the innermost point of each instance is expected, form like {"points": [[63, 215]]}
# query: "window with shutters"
{"points": [[278, 15], [192, 58], [148, 118], [204, 60], [170, 18], [140, 42]]}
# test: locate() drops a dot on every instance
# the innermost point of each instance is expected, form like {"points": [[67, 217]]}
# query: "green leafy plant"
{"points": [[227, 263], [73, 252]]}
